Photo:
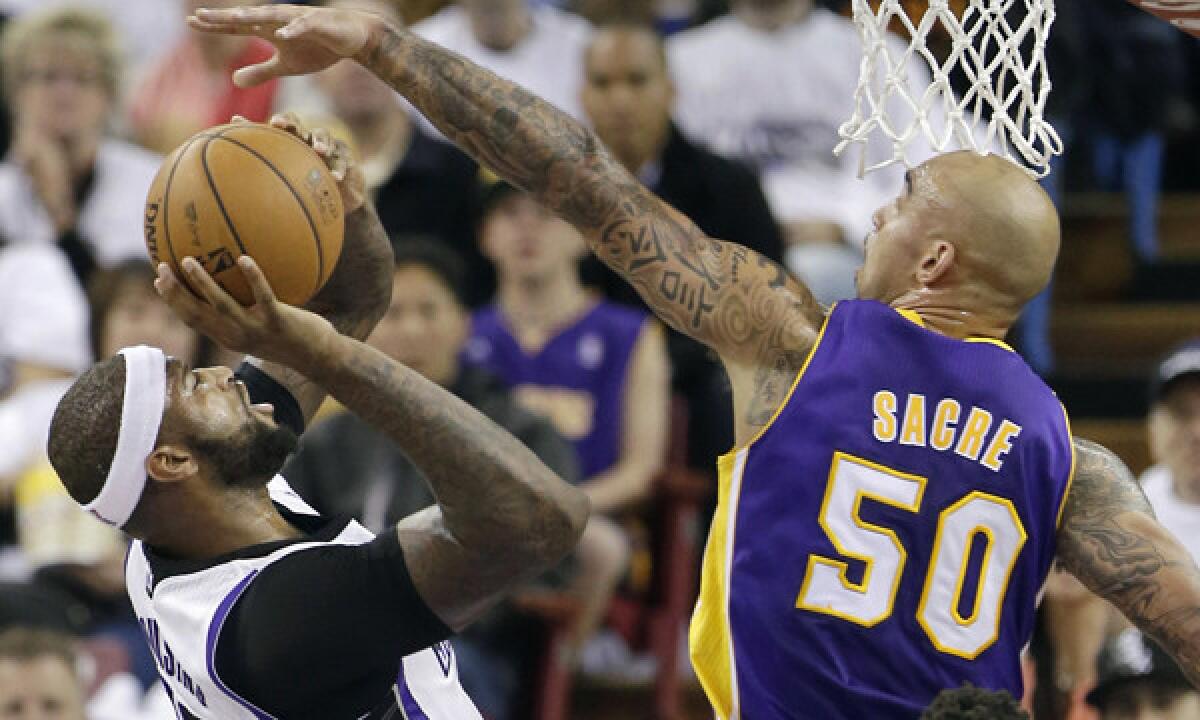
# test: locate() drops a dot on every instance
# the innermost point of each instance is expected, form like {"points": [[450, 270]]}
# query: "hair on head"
{"points": [[85, 428], [972, 703]]}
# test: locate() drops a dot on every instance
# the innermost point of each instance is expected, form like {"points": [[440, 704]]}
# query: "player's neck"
{"points": [[947, 315], [220, 524]]}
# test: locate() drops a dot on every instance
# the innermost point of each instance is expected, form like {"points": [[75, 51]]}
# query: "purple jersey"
{"points": [[887, 535], [577, 378]]}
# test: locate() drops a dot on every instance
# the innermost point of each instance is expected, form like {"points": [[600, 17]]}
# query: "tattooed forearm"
{"points": [[502, 515], [720, 294], [353, 300], [1110, 540]]}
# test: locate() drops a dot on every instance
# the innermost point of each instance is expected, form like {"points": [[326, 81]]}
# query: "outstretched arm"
{"points": [[501, 515], [742, 305], [1110, 540]]}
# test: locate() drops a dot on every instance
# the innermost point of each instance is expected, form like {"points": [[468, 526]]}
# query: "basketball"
{"points": [[247, 189]]}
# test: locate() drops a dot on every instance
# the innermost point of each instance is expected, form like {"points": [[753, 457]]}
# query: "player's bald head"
{"points": [[1003, 225]]}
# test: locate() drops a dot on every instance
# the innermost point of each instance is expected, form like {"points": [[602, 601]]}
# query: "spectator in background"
{"points": [[191, 87], [45, 675], [769, 84], [1139, 62], [598, 370], [538, 47], [77, 560], [1172, 485], [146, 28], [628, 96], [64, 182], [420, 185], [43, 337], [1076, 620], [1138, 681], [39, 678], [345, 467]]}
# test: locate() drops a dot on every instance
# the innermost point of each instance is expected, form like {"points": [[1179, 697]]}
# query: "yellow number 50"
{"points": [[827, 590]]}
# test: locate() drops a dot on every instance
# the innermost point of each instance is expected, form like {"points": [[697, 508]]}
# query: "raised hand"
{"points": [[306, 39], [268, 329], [338, 157]]}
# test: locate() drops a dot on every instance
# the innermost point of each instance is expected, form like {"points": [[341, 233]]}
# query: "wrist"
{"points": [[317, 349], [380, 35]]}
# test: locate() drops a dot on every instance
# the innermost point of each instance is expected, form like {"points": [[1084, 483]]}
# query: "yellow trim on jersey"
{"points": [[912, 316], [710, 638], [786, 398], [1062, 504], [915, 318], [990, 341]]}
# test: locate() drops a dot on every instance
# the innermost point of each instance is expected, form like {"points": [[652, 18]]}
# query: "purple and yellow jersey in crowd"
{"points": [[887, 535], [577, 379]]}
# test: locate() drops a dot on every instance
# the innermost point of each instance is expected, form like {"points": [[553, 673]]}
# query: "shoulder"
{"points": [[486, 322], [621, 319], [565, 27], [1102, 483], [693, 157], [689, 43]]}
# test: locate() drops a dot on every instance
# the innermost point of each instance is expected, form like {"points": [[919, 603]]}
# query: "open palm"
{"points": [[306, 39]]}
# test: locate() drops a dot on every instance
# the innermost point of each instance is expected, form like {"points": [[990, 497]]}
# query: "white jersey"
{"points": [[182, 616]]}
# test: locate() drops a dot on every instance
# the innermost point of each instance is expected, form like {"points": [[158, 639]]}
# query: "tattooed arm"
{"points": [[759, 320], [501, 515], [1110, 540], [359, 289]]}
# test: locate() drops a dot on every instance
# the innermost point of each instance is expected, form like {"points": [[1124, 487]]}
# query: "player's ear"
{"points": [[171, 463], [936, 263]]}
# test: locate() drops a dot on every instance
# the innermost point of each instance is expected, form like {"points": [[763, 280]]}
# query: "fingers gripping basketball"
{"points": [[247, 189]]}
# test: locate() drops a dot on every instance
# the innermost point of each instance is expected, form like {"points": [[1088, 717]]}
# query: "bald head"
{"points": [[1009, 231]]}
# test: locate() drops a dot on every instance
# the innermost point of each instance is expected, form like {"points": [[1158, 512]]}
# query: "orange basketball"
{"points": [[247, 189]]}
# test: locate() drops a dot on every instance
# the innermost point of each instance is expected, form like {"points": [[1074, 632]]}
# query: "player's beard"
{"points": [[255, 454]]}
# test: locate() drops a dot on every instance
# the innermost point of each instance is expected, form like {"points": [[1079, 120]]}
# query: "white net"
{"points": [[998, 50]]}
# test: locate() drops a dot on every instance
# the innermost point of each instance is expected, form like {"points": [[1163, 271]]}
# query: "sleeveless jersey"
{"points": [[182, 617], [577, 379], [887, 535]]}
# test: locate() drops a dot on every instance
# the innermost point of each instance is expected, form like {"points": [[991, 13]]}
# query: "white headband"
{"points": [[141, 416]]}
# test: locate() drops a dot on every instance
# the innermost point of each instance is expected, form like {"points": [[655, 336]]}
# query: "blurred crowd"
{"points": [[730, 113]]}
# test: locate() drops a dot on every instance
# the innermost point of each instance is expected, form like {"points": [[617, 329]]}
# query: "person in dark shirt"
{"points": [[420, 185], [628, 95]]}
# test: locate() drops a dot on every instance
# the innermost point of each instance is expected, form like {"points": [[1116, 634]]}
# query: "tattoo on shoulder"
{"points": [[1094, 543]]}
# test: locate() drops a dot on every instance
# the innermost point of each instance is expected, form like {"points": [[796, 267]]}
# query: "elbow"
{"points": [[559, 524]]}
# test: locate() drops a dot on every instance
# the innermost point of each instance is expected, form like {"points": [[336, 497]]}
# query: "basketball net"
{"points": [[1001, 109]]}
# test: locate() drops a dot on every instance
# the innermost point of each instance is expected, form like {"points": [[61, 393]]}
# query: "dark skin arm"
{"points": [[358, 291], [1111, 541], [501, 516], [758, 319]]}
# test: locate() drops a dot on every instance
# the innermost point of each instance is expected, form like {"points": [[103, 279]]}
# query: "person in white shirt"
{"points": [[1172, 485], [65, 181], [540, 48], [769, 84]]}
